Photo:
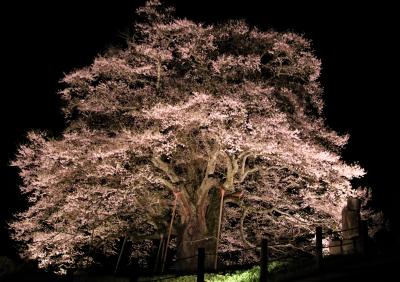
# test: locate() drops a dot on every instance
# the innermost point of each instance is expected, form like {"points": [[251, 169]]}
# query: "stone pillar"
{"points": [[351, 220]]}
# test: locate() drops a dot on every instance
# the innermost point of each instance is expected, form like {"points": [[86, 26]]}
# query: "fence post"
{"points": [[318, 245], [264, 261], [201, 257]]}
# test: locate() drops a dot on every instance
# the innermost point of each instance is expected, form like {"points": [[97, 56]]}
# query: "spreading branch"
{"points": [[208, 180], [231, 170], [166, 167], [168, 184], [244, 172]]}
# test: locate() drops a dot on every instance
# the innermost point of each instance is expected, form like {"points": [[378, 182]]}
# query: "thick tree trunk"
{"points": [[194, 236], [200, 232]]}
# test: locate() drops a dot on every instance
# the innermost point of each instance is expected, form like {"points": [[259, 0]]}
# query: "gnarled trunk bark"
{"points": [[199, 232], [199, 208]]}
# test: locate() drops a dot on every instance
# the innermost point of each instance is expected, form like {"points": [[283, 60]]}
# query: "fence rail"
{"points": [[350, 245]]}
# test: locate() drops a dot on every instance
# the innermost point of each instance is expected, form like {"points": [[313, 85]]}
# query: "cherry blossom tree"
{"points": [[192, 136]]}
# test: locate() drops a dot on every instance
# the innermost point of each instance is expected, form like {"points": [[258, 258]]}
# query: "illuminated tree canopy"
{"points": [[186, 117]]}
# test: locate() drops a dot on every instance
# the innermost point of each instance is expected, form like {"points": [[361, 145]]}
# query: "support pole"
{"points": [[221, 204], [159, 253], [318, 246], [169, 234], [120, 255]]}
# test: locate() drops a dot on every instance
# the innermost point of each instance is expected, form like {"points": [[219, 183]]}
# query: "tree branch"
{"points": [[234, 198], [206, 185], [163, 202], [212, 160], [158, 74], [168, 184], [247, 172], [173, 184], [208, 181], [231, 170], [242, 236], [187, 205], [166, 168], [243, 171]]}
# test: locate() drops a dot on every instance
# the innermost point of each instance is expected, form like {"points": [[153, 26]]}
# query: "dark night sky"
{"points": [[356, 44]]}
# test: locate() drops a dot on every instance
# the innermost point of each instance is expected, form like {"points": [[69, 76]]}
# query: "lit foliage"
{"points": [[185, 112]]}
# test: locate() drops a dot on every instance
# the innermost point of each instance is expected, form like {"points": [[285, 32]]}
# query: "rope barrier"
{"points": [[301, 250], [185, 258], [280, 258], [343, 230], [343, 244], [348, 229]]}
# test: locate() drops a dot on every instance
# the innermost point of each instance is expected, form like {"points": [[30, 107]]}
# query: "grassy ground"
{"points": [[248, 275], [243, 275], [338, 268]]}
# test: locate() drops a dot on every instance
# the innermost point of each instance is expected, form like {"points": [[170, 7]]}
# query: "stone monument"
{"points": [[351, 221]]}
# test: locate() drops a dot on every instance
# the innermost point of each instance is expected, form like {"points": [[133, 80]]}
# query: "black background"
{"points": [[357, 45]]}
